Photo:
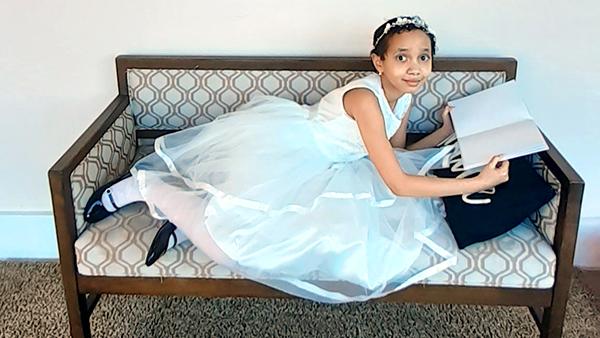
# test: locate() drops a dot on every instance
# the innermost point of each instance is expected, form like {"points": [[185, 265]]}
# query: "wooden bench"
{"points": [[160, 94]]}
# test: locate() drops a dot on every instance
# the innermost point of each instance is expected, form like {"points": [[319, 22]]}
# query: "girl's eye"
{"points": [[425, 57], [401, 58]]}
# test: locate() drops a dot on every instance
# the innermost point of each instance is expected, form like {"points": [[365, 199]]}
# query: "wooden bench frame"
{"points": [[83, 292]]}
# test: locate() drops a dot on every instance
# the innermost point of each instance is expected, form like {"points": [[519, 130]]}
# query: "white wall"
{"points": [[57, 63]]}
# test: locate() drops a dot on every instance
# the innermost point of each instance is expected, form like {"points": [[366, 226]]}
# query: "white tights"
{"points": [[187, 214]]}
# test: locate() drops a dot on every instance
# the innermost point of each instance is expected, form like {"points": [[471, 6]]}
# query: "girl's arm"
{"points": [[429, 141], [398, 140], [361, 104], [437, 136]]}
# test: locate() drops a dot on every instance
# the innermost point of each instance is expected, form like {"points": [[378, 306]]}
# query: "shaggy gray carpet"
{"points": [[32, 305]]}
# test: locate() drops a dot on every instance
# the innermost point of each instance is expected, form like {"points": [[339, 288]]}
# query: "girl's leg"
{"points": [[186, 211], [180, 236], [121, 194], [126, 192]]}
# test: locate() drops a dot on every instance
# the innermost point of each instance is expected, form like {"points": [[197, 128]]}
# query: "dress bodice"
{"points": [[338, 134]]}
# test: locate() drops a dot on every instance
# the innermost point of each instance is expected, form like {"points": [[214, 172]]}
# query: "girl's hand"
{"points": [[494, 173], [446, 120]]}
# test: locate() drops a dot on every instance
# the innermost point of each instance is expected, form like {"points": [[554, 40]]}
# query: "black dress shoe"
{"points": [[94, 210], [160, 243]]}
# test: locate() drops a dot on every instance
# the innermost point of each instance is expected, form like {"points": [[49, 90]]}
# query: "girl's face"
{"points": [[407, 62]]}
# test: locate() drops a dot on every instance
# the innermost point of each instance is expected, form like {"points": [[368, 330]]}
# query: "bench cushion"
{"points": [[117, 246]]}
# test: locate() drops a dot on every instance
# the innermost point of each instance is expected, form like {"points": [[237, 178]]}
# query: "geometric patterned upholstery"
{"points": [[107, 160], [117, 246], [178, 98], [546, 217], [520, 258]]}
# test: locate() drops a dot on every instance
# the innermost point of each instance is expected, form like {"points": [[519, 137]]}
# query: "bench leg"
{"points": [[79, 320], [79, 316], [547, 321], [79, 307], [554, 316], [553, 320]]}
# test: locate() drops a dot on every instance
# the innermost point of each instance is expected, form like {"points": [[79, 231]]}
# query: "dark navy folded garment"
{"points": [[524, 193]]}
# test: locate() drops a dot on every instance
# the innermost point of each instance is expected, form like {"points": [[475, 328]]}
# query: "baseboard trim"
{"points": [[28, 235]]}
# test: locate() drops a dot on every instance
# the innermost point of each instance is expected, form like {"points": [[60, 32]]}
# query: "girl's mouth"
{"points": [[412, 83]]}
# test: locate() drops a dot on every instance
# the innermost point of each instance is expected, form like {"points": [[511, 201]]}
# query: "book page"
{"points": [[510, 141], [488, 109]]}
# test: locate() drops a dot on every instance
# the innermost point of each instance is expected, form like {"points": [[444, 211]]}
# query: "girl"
{"points": [[325, 201]]}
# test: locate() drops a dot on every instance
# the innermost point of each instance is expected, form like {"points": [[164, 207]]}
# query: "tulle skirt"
{"points": [[255, 192]]}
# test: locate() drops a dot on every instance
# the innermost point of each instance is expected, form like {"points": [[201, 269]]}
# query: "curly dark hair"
{"points": [[382, 45]]}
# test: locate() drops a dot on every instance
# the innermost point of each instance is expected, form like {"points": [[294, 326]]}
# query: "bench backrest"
{"points": [[170, 93]]}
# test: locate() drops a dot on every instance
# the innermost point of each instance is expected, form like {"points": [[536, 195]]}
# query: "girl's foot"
{"points": [[164, 239], [110, 197]]}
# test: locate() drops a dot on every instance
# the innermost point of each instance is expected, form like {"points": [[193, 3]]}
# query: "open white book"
{"points": [[492, 122]]}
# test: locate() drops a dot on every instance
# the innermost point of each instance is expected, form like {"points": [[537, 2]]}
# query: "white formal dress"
{"points": [[285, 194]]}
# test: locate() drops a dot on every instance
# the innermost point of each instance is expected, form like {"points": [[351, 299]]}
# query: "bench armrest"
{"points": [[565, 215], [102, 152]]}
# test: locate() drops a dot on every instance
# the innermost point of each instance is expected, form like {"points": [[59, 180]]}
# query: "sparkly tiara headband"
{"points": [[405, 21]]}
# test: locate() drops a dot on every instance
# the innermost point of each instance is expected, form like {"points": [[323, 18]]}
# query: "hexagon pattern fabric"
{"points": [[546, 217], [177, 98], [107, 160], [117, 246]]}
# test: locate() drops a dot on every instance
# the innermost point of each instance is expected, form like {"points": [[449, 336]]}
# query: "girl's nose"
{"points": [[414, 70]]}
